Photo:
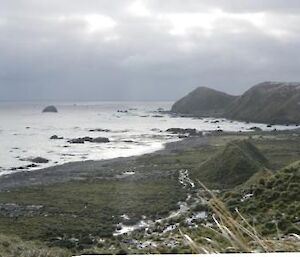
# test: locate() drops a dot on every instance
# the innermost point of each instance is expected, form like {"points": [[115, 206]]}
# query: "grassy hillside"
{"points": [[268, 102], [235, 164], [272, 202], [203, 102]]}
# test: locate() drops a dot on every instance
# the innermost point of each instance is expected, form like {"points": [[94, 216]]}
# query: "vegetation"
{"points": [[203, 102], [12, 246], [273, 203], [74, 214], [232, 166], [81, 216], [235, 234], [267, 102]]}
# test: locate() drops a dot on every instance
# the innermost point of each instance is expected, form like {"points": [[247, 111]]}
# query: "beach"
{"points": [[82, 170], [138, 202], [76, 132]]}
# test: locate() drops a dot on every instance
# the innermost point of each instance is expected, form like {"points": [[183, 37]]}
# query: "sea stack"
{"points": [[50, 108]]}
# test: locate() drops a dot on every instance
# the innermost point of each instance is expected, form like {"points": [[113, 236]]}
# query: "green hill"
{"points": [[268, 102], [272, 200], [203, 101], [238, 162]]}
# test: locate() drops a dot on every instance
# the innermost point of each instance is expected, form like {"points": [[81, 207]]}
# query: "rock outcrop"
{"points": [[182, 131], [50, 108], [82, 140], [55, 137], [39, 160]]}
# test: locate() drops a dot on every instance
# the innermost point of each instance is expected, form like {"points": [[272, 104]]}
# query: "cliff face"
{"points": [[267, 102], [203, 102]]}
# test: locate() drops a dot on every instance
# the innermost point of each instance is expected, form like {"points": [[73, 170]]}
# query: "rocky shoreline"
{"points": [[82, 170], [140, 202]]}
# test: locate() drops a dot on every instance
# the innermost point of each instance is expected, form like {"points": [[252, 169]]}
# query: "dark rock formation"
{"points": [[32, 165], [76, 141], [50, 108], [56, 137], [82, 140], [100, 140], [39, 160], [187, 131], [128, 141], [99, 130], [255, 128]]}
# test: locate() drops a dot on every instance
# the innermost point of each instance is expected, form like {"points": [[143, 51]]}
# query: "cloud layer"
{"points": [[144, 50]]}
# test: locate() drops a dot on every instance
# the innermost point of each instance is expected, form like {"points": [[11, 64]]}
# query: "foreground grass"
{"points": [[75, 214], [82, 215], [12, 246], [273, 202], [235, 234]]}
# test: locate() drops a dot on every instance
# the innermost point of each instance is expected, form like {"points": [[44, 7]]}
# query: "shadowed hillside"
{"points": [[267, 102], [239, 161], [203, 101]]}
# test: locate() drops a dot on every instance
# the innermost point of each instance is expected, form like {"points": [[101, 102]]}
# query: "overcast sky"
{"points": [[144, 49]]}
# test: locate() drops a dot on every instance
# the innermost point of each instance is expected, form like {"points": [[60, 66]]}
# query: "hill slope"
{"points": [[203, 101], [269, 102], [239, 161], [278, 196]]}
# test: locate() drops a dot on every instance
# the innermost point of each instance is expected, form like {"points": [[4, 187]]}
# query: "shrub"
{"points": [[262, 182]]}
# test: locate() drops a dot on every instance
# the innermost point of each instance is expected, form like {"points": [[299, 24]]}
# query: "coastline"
{"points": [[80, 170], [68, 204], [87, 169]]}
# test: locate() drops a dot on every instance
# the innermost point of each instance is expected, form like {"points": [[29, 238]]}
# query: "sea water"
{"points": [[133, 128]]}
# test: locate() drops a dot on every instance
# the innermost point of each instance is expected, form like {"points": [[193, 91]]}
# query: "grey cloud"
{"points": [[245, 6], [45, 56]]}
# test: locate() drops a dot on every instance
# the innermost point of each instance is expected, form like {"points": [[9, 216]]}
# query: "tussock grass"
{"points": [[12, 246], [236, 234]]}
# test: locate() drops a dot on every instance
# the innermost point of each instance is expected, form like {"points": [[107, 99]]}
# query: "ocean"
{"points": [[133, 128]]}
